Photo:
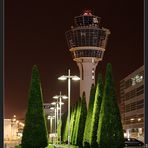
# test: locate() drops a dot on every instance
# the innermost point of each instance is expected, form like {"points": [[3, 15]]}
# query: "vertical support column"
{"points": [[69, 108], [128, 133], [60, 116]]}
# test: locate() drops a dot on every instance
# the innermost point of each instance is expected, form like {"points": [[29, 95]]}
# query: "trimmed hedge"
{"points": [[35, 130], [96, 112], [110, 131], [86, 135]]}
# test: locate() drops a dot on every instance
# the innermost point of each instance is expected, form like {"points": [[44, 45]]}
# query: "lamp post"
{"points": [[69, 77], [61, 103], [51, 121], [56, 116]]}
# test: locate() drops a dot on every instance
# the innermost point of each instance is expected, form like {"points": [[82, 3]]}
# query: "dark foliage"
{"points": [[82, 120], [96, 112], [35, 130], [110, 132], [86, 135]]}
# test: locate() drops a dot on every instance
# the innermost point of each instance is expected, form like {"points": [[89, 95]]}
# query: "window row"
{"points": [[88, 53], [134, 106], [136, 92], [85, 37]]}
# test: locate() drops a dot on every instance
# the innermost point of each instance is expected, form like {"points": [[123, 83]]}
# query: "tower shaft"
{"points": [[87, 77]]}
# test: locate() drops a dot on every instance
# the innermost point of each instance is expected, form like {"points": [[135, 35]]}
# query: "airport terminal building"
{"points": [[132, 104]]}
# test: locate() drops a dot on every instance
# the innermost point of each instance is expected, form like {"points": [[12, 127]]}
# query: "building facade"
{"points": [[12, 129], [87, 42], [132, 104]]}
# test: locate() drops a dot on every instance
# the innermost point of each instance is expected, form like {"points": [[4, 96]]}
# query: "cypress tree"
{"points": [[72, 122], [96, 111], [58, 130], [86, 135], [65, 134], [63, 126], [35, 130], [110, 132], [75, 131], [82, 120]]}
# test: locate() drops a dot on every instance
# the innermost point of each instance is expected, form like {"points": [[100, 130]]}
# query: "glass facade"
{"points": [[85, 37], [86, 20]]}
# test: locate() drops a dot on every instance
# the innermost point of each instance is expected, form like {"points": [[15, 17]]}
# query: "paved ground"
{"points": [[124, 147], [134, 147]]}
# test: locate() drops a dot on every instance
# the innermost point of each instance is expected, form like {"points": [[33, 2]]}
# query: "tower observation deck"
{"points": [[87, 41]]}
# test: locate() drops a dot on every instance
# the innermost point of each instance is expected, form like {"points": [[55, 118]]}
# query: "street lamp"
{"points": [[54, 108], [75, 78], [50, 118], [61, 103], [56, 116]]}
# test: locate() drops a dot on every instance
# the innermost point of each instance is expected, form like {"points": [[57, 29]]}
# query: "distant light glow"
{"points": [[125, 134], [62, 96], [52, 108], [61, 103], [53, 103], [55, 97], [87, 13], [139, 119], [132, 119], [50, 117]]}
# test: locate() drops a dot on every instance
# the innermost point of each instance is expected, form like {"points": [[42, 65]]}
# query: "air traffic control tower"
{"points": [[87, 41]]}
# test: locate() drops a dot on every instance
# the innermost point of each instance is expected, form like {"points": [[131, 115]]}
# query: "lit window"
{"points": [[137, 79]]}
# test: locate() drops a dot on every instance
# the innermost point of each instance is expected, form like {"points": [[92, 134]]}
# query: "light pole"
{"points": [[55, 114], [61, 103], [69, 77], [50, 118]]}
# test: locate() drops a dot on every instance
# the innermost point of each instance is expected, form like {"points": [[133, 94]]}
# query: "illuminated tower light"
{"points": [[87, 41]]}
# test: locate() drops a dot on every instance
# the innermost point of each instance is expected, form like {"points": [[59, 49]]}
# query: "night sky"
{"points": [[35, 34]]}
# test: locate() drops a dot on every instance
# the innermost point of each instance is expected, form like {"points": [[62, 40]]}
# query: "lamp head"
{"points": [[52, 108], [75, 78], [53, 103], [64, 97], [62, 78], [55, 97]]}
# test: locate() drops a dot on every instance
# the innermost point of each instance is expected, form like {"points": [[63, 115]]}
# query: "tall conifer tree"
{"points": [[86, 135], [110, 132], [76, 126], [82, 120], [72, 122], [63, 126], [65, 134], [35, 130], [96, 112]]}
